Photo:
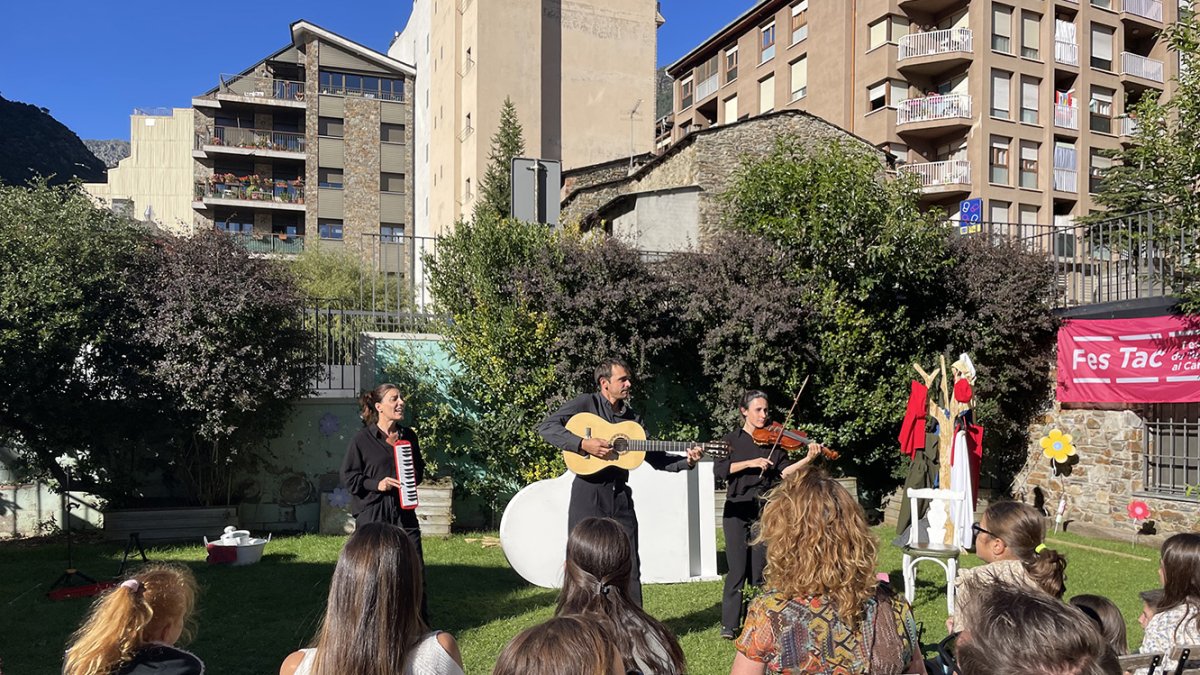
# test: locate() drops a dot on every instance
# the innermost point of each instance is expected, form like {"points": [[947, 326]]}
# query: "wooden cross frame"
{"points": [[945, 425]]}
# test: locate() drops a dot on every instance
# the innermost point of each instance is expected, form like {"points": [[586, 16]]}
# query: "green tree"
{"points": [[1160, 170], [495, 190], [347, 279]]}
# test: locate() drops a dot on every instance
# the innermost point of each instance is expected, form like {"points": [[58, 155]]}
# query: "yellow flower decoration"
{"points": [[1057, 446]]}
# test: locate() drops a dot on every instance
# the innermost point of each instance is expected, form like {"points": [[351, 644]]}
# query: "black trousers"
{"points": [[376, 515], [746, 562], [608, 500]]}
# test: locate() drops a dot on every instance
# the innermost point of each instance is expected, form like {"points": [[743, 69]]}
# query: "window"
{"points": [[877, 96], [766, 95], [998, 211], [330, 178], [766, 42], [1102, 47], [998, 161], [1029, 164], [1000, 94], [897, 92], [330, 126], [391, 233], [1027, 215], [234, 226], [1002, 29], [686, 90], [391, 182], [1102, 4], [331, 82], [330, 229], [391, 133], [888, 29], [898, 151], [731, 64], [799, 78], [731, 109], [1100, 110], [706, 76], [1029, 100], [888, 93], [1097, 165], [799, 21], [1031, 35], [1173, 447]]}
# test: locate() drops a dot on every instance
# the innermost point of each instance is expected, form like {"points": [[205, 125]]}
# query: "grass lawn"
{"points": [[252, 617]]}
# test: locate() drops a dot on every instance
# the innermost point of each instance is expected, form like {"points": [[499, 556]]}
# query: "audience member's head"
{"points": [[564, 645], [1016, 531], [818, 543], [1180, 572], [1150, 600], [372, 618], [596, 580], [1107, 618], [153, 605], [1011, 631]]}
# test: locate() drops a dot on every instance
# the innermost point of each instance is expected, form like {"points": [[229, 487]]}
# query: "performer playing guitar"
{"points": [[605, 494]]}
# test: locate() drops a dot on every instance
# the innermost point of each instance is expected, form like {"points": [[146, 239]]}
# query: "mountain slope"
{"points": [[34, 143]]}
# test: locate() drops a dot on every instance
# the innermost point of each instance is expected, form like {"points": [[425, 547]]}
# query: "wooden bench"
{"points": [[159, 525]]}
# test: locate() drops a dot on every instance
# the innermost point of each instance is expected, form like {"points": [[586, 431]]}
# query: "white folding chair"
{"points": [[929, 545]]}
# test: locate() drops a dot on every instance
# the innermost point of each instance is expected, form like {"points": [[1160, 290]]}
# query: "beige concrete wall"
{"points": [[157, 175]]}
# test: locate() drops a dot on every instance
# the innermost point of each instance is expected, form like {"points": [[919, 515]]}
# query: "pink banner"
{"points": [[1152, 360]]}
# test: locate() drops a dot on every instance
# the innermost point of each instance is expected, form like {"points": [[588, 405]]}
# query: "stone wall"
{"points": [[312, 206], [360, 205]]}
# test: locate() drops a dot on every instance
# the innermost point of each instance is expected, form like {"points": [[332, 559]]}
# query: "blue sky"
{"points": [[91, 63]]}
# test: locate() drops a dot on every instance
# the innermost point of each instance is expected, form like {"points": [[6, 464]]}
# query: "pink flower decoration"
{"points": [[1139, 510]]}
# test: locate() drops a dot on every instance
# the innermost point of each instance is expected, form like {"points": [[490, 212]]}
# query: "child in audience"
{"points": [[1150, 600], [1176, 619], [564, 645], [1108, 619], [132, 629], [595, 587], [1010, 539], [372, 623]]}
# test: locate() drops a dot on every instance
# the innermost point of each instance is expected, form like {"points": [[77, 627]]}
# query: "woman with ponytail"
{"points": [[133, 627], [595, 582], [1010, 538]]}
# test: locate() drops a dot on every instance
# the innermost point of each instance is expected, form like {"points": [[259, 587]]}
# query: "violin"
{"points": [[788, 439]]}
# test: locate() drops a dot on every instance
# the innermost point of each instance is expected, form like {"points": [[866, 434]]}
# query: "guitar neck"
{"points": [[670, 447]]}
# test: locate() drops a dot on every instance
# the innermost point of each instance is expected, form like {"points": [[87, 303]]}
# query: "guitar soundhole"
{"points": [[619, 445]]}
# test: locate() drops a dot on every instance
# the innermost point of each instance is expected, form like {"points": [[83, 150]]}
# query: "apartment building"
{"points": [[1010, 101], [581, 76]]}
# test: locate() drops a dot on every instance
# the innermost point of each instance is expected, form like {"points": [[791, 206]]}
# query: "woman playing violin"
{"points": [[749, 471]]}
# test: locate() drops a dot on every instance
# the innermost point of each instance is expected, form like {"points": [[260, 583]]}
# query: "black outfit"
{"points": [[604, 494], [160, 659], [368, 460], [743, 507]]}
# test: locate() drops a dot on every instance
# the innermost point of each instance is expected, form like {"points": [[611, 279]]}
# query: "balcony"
{"points": [[934, 52], [933, 115], [706, 88], [253, 88], [1134, 65], [944, 177], [252, 142], [1143, 10], [1066, 53], [1127, 128], [1066, 180], [270, 244], [253, 191], [1066, 117]]}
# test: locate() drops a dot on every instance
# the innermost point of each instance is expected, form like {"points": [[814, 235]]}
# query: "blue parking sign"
{"points": [[970, 215]]}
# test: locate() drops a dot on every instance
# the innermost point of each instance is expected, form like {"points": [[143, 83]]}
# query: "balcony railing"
{"points": [[1066, 180], [252, 189], [1066, 117], [262, 139], [936, 174], [706, 88], [1149, 9], [1066, 52], [257, 86], [280, 244], [1127, 126], [934, 42], [936, 107], [342, 90], [1140, 66]]}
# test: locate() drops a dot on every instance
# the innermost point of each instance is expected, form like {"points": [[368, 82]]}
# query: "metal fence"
{"points": [[1172, 448]]}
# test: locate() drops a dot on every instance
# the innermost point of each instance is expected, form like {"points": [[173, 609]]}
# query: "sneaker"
{"points": [[728, 634]]}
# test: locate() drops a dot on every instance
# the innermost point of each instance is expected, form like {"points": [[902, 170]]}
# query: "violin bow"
{"points": [[795, 402]]}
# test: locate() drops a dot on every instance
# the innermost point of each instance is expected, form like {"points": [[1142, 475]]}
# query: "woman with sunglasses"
{"points": [[1010, 539]]}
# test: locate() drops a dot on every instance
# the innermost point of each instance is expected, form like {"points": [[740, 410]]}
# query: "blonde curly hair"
{"points": [[818, 543]]}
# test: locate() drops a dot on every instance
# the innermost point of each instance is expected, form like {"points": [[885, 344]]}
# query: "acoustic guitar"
{"points": [[629, 445]]}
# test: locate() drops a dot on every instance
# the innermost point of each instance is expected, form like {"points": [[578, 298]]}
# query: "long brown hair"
{"points": [[564, 645], [120, 621], [1022, 529], [366, 402], [373, 616], [1181, 573], [818, 544], [1108, 618], [596, 580]]}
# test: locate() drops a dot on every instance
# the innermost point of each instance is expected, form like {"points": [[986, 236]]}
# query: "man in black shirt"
{"points": [[605, 494]]}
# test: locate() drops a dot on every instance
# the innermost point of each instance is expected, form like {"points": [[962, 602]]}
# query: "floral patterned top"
{"points": [[1170, 627], [805, 635]]}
